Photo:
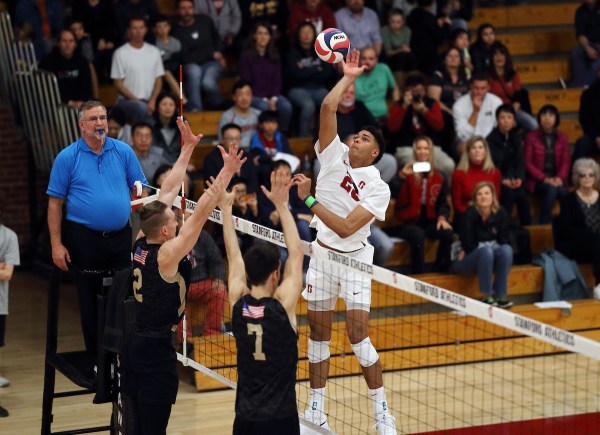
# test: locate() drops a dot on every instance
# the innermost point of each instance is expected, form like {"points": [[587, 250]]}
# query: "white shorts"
{"points": [[326, 281]]}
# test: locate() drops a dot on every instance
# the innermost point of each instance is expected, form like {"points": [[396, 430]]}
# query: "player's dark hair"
{"points": [[153, 218], [378, 135], [549, 108], [261, 261], [267, 115], [138, 125]]}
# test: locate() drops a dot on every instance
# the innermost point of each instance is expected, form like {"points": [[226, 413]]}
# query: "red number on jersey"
{"points": [[348, 186], [309, 288]]}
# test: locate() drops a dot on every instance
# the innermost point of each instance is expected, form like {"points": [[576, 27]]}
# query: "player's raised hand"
{"points": [[232, 159], [215, 189], [303, 183], [350, 65], [226, 202], [279, 194], [190, 140]]}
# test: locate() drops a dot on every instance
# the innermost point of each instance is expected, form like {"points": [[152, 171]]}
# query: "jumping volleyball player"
{"points": [[350, 194]]}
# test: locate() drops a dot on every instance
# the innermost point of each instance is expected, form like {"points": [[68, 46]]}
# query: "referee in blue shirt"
{"points": [[95, 177]]}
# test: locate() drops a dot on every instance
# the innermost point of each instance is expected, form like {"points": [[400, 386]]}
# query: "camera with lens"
{"points": [[416, 98]]}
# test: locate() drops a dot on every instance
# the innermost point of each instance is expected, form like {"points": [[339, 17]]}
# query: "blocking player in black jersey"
{"points": [[161, 275], [264, 321]]}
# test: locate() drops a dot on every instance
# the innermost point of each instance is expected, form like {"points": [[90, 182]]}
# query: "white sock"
{"points": [[379, 400], [317, 399]]}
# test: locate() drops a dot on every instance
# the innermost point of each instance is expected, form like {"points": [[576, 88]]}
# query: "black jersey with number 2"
{"points": [[267, 358]]}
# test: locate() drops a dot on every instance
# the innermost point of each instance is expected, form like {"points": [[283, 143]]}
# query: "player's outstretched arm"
{"points": [[237, 270], [342, 226], [291, 285], [172, 184], [328, 121]]}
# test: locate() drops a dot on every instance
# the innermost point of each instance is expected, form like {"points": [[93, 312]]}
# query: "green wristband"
{"points": [[310, 201]]}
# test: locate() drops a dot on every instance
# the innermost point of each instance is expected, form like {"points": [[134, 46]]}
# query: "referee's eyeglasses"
{"points": [[97, 118]]}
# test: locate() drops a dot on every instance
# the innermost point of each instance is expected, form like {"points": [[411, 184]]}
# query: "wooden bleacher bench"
{"points": [[525, 16], [543, 71], [572, 128], [539, 42], [107, 94], [566, 100]]}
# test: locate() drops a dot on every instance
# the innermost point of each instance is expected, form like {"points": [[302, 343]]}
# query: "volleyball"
{"points": [[332, 45]]}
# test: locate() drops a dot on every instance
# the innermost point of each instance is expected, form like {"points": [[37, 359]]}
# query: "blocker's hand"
{"points": [[303, 183]]}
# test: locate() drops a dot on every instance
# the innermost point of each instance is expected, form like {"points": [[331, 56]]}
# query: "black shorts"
{"points": [[288, 426], [149, 371], [2, 328]]}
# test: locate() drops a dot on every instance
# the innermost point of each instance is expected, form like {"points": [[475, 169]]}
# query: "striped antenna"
{"points": [[184, 350]]}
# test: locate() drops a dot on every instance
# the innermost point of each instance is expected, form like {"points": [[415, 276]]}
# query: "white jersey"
{"points": [[341, 189]]}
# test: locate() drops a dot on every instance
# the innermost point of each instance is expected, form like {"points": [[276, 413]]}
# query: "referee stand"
{"points": [[78, 366]]}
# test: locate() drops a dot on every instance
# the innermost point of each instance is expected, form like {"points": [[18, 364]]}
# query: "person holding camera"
{"points": [[416, 115]]}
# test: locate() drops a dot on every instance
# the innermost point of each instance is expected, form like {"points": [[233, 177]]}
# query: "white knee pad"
{"points": [[366, 353], [318, 351]]}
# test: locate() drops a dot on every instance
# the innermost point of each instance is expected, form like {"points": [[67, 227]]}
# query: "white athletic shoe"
{"points": [[4, 382], [317, 418], [385, 424]]}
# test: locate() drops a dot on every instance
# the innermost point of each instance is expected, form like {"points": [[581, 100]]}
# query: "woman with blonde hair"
{"points": [[485, 248], [475, 166], [422, 209]]}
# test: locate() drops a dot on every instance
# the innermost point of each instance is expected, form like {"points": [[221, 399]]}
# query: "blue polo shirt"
{"points": [[96, 186]]}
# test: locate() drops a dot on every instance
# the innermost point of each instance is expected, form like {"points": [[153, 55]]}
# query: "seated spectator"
{"points": [[547, 161], [245, 206], [267, 145], [360, 24], [485, 248], [170, 52], [226, 15], [396, 46], [117, 125], [506, 148], [585, 57], [164, 127], [72, 70], [373, 85], [125, 10], [475, 113], [308, 77], [428, 33], [505, 83], [589, 118], [200, 54], [417, 115], [260, 65], [481, 50], [231, 134], [83, 39], [241, 114], [459, 39], [577, 227], [315, 12], [44, 19], [476, 165], [446, 86], [150, 157], [137, 73], [422, 209]]}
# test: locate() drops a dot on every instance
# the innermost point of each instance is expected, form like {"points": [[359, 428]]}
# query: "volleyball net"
{"points": [[449, 361]]}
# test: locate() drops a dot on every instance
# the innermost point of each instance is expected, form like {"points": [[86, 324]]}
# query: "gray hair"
{"points": [[87, 106], [581, 165]]}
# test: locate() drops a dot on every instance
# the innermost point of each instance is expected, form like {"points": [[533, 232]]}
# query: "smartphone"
{"points": [[421, 167]]}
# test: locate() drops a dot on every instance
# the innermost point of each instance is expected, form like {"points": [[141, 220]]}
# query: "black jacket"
{"points": [[507, 153], [570, 228], [474, 230], [589, 110]]}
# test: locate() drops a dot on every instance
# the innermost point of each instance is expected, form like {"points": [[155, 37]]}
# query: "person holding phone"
{"points": [[422, 207]]}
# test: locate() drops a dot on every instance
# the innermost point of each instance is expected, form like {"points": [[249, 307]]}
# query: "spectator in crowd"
{"points": [[200, 54], [170, 52], [577, 227], [274, 14], [83, 39], [45, 20], [422, 209], [417, 115], [309, 77], [589, 118], [72, 70], [446, 86], [245, 206], [231, 133], [459, 12], [98, 19], [485, 248], [149, 156], [396, 46], [315, 12], [261, 66], [428, 33], [585, 57], [125, 10], [161, 175], [481, 50], [475, 165], [164, 128], [460, 39], [506, 147], [137, 72], [547, 161], [360, 24], [117, 125], [241, 114], [373, 85], [226, 15], [475, 113], [505, 83], [267, 145]]}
